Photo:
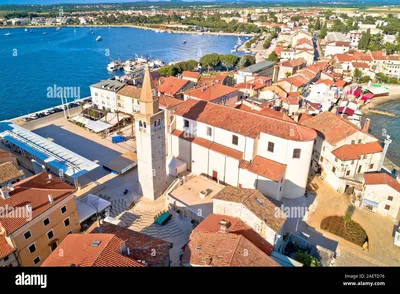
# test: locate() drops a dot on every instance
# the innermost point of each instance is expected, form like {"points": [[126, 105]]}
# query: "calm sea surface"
{"points": [[381, 124], [32, 62]]}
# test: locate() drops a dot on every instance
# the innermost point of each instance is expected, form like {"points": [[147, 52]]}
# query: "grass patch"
{"points": [[345, 228]]}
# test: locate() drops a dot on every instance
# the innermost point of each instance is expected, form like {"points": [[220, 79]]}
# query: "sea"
{"points": [[382, 125], [32, 63]]}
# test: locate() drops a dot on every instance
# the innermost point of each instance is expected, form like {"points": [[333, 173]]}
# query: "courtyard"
{"points": [[380, 230]]}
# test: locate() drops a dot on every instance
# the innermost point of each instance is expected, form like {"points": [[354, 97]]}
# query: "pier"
{"points": [[382, 112]]}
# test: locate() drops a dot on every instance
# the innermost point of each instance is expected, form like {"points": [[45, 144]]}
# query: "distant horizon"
{"points": [[82, 2]]}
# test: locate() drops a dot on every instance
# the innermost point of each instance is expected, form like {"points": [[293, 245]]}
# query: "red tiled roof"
{"points": [[264, 167], [141, 246], [297, 80], [237, 226], [339, 43], [191, 74], [333, 127], [207, 248], [209, 144], [171, 86], [78, 250], [257, 203], [381, 179], [130, 91], [294, 62], [324, 81], [34, 191], [169, 102], [265, 111], [340, 83], [360, 65], [242, 122], [210, 92], [354, 151], [5, 248]]}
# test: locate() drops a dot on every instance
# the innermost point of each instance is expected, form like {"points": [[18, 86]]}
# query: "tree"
{"points": [[323, 32], [229, 60], [210, 60], [287, 74], [389, 47], [318, 24], [273, 57], [357, 74], [246, 60]]}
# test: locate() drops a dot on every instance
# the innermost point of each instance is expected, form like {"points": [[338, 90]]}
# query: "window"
{"points": [[209, 131], [27, 235], [5, 258], [321, 159], [336, 159], [66, 222], [334, 169], [353, 142], [387, 207], [36, 260], [50, 234], [359, 141], [371, 166], [390, 198], [348, 173], [235, 140], [271, 146], [53, 246], [359, 169], [46, 221], [352, 162], [185, 123], [140, 123], [296, 153], [32, 248], [365, 157], [69, 233], [280, 189], [63, 209]]}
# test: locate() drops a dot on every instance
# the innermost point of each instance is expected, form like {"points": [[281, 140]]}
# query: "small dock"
{"points": [[382, 112]]}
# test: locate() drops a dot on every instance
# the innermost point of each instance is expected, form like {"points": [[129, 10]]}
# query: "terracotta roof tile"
{"points": [[381, 179], [256, 202], [141, 246], [354, 151], [171, 86], [191, 74], [333, 127], [210, 248], [130, 91], [5, 248], [242, 122], [8, 172], [265, 111], [264, 167], [169, 102], [33, 191], [79, 250], [210, 92]]}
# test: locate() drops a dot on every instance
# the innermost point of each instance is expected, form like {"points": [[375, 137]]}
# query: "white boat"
{"points": [[8, 34], [92, 33], [26, 29], [98, 39], [45, 33], [58, 28], [112, 66], [239, 42], [161, 31], [201, 34]]}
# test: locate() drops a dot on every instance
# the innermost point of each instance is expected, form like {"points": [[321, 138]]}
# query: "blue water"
{"points": [[381, 125], [69, 59]]}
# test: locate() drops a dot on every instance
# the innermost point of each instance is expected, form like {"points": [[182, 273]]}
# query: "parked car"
{"points": [[26, 119]]}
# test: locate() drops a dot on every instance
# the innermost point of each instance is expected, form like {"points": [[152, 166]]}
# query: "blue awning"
{"points": [[370, 203]]}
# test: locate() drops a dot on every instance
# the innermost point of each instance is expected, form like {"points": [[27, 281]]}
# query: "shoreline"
{"points": [[394, 96], [169, 29]]}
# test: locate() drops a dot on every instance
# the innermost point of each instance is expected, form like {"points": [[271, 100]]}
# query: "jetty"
{"points": [[382, 112]]}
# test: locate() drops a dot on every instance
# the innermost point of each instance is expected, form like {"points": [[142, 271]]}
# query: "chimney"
{"points": [[29, 207], [366, 125], [224, 226], [4, 193], [51, 199]]}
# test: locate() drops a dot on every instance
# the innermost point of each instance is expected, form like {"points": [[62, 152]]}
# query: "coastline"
{"points": [[169, 29], [394, 96]]}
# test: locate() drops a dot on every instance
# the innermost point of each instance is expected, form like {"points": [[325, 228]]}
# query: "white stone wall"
{"points": [[104, 98], [380, 194]]}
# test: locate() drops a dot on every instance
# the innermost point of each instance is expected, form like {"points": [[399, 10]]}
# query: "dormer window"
{"points": [[140, 123]]}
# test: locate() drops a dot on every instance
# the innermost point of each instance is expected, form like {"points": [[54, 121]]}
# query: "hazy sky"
{"points": [[59, 1]]}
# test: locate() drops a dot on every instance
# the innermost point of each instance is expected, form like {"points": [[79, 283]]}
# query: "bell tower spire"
{"points": [[150, 140]]}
